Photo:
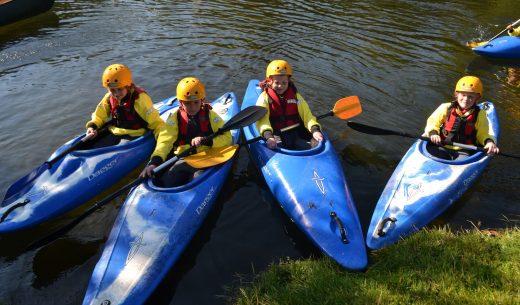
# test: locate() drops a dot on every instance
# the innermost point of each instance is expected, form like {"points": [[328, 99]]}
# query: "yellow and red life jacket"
{"points": [[124, 114], [459, 128], [199, 126], [283, 109]]}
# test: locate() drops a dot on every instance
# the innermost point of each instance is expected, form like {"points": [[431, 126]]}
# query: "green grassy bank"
{"points": [[431, 267]]}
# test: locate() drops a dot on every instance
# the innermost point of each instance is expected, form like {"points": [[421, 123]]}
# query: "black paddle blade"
{"points": [[509, 155], [380, 131], [245, 117], [370, 129]]}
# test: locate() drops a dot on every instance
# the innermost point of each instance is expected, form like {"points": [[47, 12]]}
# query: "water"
{"points": [[402, 58]]}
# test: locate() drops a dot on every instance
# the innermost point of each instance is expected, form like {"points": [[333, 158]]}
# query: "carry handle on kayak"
{"points": [[341, 227], [383, 228], [383, 132], [245, 117]]}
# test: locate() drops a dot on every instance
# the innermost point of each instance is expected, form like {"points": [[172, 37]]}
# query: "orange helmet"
{"points": [[116, 76], [469, 84], [278, 67], [190, 89]]}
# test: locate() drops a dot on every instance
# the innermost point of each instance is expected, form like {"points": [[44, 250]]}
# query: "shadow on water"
{"points": [[65, 255], [36, 26], [366, 170]]}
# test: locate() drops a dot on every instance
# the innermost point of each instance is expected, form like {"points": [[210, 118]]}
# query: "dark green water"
{"points": [[402, 58]]}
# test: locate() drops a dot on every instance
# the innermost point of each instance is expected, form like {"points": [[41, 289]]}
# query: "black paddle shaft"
{"points": [[383, 132]]}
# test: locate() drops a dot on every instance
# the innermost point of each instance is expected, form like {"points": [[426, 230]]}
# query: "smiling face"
{"points": [[279, 83], [192, 107], [466, 100]]}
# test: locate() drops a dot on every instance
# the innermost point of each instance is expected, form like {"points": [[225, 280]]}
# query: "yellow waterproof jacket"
{"points": [[143, 106], [170, 133], [439, 116], [514, 31], [306, 115]]}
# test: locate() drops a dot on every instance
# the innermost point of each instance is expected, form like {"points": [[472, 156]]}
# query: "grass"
{"points": [[430, 267]]}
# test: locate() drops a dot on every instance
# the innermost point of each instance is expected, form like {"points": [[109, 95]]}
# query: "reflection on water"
{"points": [[513, 77], [31, 27], [401, 58], [77, 254]]}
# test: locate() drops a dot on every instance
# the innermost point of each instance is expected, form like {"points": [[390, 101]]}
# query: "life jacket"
{"points": [[191, 128], [283, 108], [124, 114], [459, 128]]}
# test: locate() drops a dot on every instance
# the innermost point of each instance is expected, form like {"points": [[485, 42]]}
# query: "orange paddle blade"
{"points": [[347, 107], [212, 156]]}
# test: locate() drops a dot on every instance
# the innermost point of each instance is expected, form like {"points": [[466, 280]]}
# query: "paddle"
{"points": [[216, 155], [345, 108], [20, 183], [241, 119], [212, 156], [474, 44], [383, 132]]}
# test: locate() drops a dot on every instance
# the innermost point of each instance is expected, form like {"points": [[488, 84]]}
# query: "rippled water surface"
{"points": [[402, 58]]}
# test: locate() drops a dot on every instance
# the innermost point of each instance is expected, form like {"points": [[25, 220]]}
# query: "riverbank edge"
{"points": [[433, 266]]}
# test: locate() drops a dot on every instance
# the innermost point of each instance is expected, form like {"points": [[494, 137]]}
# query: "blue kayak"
{"points": [[311, 188], [422, 187], [153, 228], [73, 179], [507, 47]]}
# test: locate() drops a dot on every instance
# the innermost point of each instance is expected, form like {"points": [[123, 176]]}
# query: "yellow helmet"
{"points": [[469, 84], [278, 67], [116, 76], [190, 89]]}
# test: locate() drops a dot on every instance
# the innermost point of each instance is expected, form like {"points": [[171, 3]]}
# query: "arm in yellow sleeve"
{"points": [[224, 139], [482, 127], [144, 107], [167, 136], [435, 120], [263, 124], [514, 32], [306, 115], [101, 114]]}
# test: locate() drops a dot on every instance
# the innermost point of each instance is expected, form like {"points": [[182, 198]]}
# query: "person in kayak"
{"points": [[128, 108], [188, 126], [460, 121], [288, 117], [513, 31]]}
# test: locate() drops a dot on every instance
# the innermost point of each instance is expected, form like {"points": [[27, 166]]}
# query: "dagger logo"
{"points": [[134, 247], [319, 182]]}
